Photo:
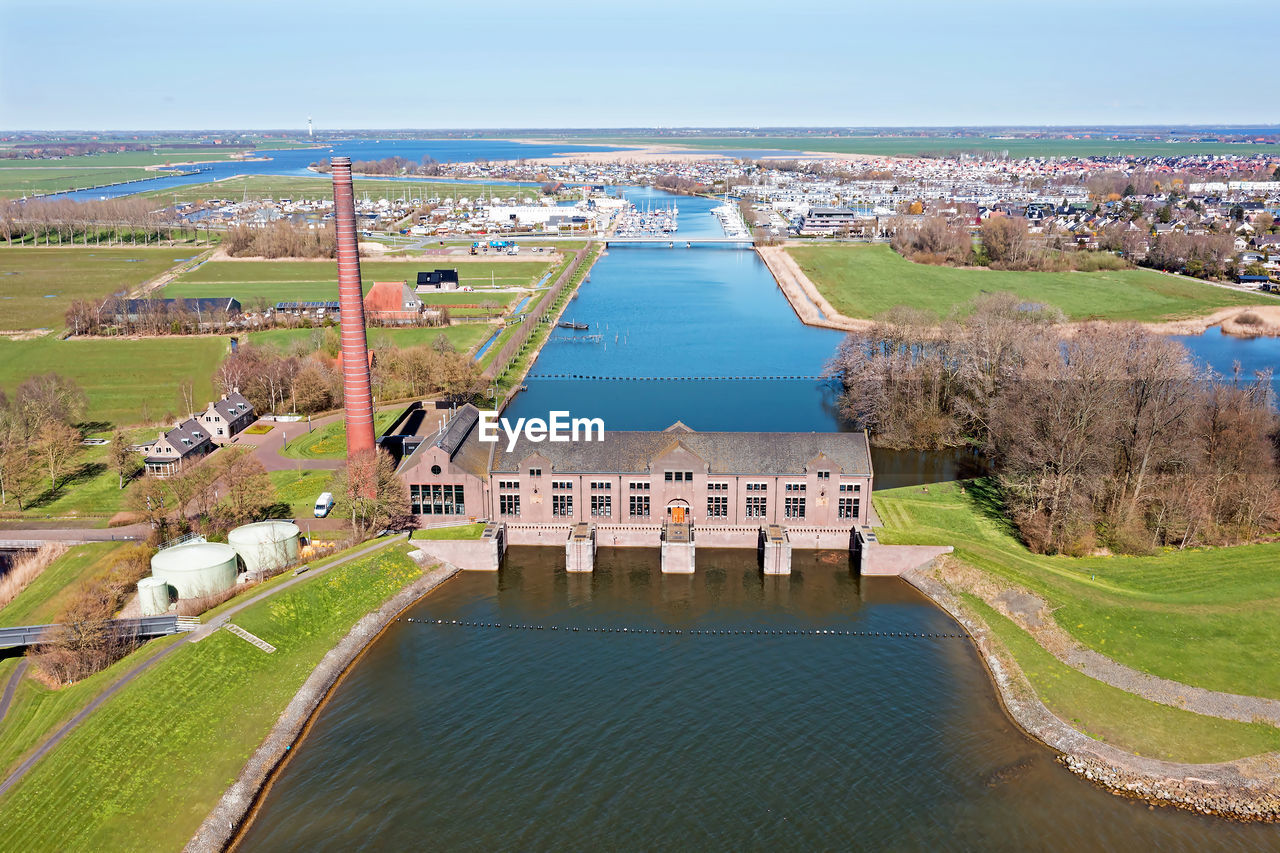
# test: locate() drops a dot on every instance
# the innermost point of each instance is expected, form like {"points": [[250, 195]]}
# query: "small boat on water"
{"points": [[579, 326]]}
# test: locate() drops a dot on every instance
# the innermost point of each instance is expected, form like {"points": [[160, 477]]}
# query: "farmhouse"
{"points": [[133, 310], [437, 280], [172, 450], [226, 418], [392, 302]]}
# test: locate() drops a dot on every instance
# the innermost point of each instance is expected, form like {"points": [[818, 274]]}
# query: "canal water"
{"points": [[496, 739]]}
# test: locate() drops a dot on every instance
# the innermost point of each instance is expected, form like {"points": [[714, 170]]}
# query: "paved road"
{"points": [[194, 637]]}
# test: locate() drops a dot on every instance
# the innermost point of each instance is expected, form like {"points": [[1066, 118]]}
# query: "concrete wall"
{"points": [[893, 560], [476, 555]]}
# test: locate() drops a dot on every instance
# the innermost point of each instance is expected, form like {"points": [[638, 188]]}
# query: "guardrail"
{"points": [[145, 628]]}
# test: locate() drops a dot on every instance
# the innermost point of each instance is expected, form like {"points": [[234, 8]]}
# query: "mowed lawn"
{"points": [[867, 280], [37, 284], [1209, 617], [127, 381], [300, 281], [463, 337], [172, 741]]}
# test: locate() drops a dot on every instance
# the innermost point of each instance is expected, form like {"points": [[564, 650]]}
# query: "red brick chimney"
{"points": [[357, 391]]}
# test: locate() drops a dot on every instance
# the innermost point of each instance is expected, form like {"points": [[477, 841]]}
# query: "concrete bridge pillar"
{"points": [[677, 548], [775, 550], [864, 546], [580, 548]]}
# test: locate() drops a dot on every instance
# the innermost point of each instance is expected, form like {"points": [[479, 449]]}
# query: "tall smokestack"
{"points": [[357, 391]]}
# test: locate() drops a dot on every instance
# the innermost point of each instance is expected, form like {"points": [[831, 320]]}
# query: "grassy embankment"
{"points": [[1206, 617], [912, 146], [460, 531], [514, 372], [867, 280], [301, 188], [330, 442], [37, 284], [299, 489], [173, 740]]}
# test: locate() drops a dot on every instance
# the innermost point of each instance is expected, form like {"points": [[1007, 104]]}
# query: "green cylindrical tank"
{"points": [[153, 596], [197, 568], [266, 546]]}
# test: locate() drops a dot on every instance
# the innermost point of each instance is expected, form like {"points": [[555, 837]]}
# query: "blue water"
{"points": [[1221, 352], [295, 161]]}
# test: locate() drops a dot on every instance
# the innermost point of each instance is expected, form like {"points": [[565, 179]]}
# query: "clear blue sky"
{"points": [[107, 64]]}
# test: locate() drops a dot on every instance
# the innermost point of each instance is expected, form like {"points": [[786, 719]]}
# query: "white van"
{"points": [[324, 503]]}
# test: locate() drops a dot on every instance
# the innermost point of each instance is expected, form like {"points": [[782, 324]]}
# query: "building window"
{"points": [[717, 487], [795, 487], [639, 506], [794, 507], [601, 505], [849, 507], [757, 507], [602, 485], [508, 504], [680, 476], [640, 487], [562, 484], [717, 506], [670, 475], [535, 472], [562, 505], [437, 500], [756, 487], [824, 475], [508, 484], [850, 487]]}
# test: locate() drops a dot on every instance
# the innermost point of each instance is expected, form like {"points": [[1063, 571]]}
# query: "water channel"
{"points": [[461, 738]]}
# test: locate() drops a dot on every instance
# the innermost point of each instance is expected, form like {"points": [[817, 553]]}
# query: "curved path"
{"points": [[195, 636], [1030, 613]]}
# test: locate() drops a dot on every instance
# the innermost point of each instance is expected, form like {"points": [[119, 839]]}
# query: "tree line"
{"points": [[117, 221], [1112, 437]]}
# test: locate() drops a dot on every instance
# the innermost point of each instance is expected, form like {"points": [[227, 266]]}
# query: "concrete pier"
{"points": [[677, 548], [775, 550], [580, 548], [472, 555]]}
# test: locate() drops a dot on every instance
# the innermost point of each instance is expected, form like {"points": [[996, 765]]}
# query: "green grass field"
{"points": [[867, 280], [126, 381], [460, 531], [300, 188], [330, 442], [17, 182], [44, 598], [462, 336], [1129, 722], [910, 146], [173, 740], [37, 284], [90, 490], [287, 281], [299, 489], [1205, 617]]}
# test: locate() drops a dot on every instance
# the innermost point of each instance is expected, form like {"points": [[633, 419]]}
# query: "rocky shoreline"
{"points": [[1245, 789]]}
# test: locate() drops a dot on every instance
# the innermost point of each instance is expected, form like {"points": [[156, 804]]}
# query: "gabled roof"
{"points": [[233, 406]]}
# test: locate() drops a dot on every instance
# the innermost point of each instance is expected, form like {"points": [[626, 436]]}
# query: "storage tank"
{"points": [[197, 568], [266, 546], [153, 596]]}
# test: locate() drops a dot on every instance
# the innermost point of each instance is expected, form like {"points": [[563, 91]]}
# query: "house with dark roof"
{"points": [[186, 443], [210, 307], [226, 418], [729, 484], [437, 280]]}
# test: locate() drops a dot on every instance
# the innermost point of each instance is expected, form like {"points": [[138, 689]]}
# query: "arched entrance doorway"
{"points": [[678, 512]]}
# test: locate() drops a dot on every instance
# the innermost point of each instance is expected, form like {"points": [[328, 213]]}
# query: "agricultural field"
{"points": [[1209, 617], [127, 381], [299, 281], [462, 336], [300, 188], [208, 705], [37, 284], [22, 181], [915, 146], [867, 280]]}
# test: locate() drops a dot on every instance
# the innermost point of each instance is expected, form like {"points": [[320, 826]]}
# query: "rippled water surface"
{"points": [[514, 739]]}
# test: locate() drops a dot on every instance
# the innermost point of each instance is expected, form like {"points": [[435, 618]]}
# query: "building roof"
{"points": [[386, 297], [438, 277], [233, 406], [186, 437], [202, 305]]}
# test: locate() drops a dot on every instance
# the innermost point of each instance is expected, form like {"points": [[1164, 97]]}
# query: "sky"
{"points": [[94, 65]]}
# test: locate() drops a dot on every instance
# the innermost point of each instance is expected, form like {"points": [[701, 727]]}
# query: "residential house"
{"points": [[186, 443], [392, 303], [437, 280], [226, 418]]}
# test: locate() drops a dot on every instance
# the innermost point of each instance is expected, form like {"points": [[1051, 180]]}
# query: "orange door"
{"points": [[677, 514]]}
